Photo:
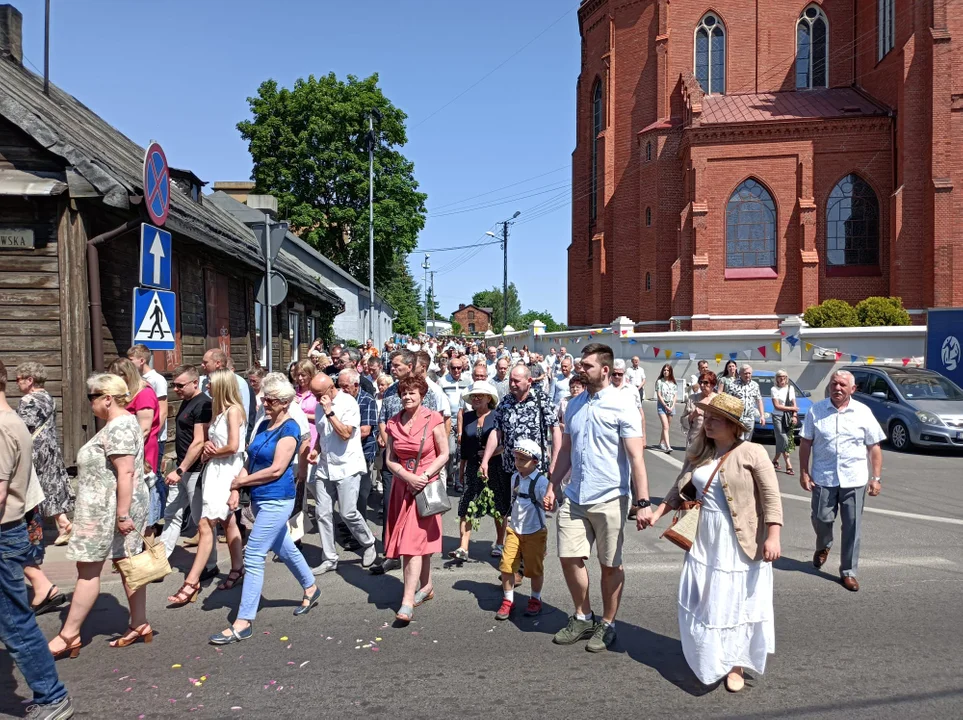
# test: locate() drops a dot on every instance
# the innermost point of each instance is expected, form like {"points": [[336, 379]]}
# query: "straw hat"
{"points": [[727, 407], [481, 387]]}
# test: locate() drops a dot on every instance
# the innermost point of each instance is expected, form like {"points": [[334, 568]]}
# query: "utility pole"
{"points": [[426, 265], [371, 291], [431, 303], [505, 225]]}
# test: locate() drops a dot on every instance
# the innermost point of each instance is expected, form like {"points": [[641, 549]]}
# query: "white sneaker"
{"points": [[325, 567], [369, 556], [497, 550]]}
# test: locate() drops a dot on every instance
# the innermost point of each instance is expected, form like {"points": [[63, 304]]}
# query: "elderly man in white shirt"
{"points": [[339, 455], [842, 437], [635, 376], [560, 381]]}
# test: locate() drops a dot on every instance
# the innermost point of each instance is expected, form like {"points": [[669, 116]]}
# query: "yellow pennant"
{"points": [[718, 358], [870, 360], [809, 346], [777, 346], [668, 354]]}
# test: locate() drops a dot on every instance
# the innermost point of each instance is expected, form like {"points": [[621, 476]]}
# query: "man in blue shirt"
{"points": [[603, 445]]}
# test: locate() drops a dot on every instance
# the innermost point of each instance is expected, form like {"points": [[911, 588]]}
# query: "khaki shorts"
{"points": [[579, 526], [530, 548]]}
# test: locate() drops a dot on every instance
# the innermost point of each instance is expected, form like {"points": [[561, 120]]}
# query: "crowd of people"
{"points": [[518, 435]]}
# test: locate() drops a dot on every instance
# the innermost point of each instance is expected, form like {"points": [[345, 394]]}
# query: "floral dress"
{"points": [[39, 414], [95, 535]]}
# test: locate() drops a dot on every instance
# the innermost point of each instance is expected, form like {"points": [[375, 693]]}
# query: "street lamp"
{"points": [[375, 114]]}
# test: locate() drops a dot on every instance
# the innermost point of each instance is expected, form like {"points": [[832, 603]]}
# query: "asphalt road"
{"points": [[892, 650]]}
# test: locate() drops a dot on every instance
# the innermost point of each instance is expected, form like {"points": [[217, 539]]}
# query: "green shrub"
{"points": [[876, 311], [830, 314]]}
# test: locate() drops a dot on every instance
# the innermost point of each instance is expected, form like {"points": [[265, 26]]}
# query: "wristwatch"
{"points": [[179, 471], [876, 478], [123, 518], [641, 504], [329, 414]]}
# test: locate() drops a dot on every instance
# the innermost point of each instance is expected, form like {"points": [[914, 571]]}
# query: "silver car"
{"points": [[914, 406]]}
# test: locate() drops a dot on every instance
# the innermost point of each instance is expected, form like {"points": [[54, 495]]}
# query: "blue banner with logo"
{"points": [[944, 343]]}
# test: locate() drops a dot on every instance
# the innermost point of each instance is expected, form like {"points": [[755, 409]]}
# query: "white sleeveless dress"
{"points": [[725, 599], [220, 472]]}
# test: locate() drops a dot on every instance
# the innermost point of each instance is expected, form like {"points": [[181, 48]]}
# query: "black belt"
{"points": [[12, 525]]}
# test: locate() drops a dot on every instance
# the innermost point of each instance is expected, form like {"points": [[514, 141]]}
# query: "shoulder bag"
{"points": [[145, 567], [433, 498], [685, 524]]}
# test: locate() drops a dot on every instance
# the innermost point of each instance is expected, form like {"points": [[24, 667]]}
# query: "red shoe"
{"points": [[505, 610], [534, 607]]}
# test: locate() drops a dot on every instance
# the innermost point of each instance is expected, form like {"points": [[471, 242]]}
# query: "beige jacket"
{"points": [[752, 492]]}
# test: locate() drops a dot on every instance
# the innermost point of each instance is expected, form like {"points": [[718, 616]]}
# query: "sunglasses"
{"points": [[618, 374], [93, 396], [181, 386], [271, 401]]}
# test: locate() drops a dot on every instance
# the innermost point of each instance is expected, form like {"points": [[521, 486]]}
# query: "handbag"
{"points": [[298, 517], [145, 567], [685, 524], [433, 498]]}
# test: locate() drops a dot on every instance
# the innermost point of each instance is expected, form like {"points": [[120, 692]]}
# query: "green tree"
{"points": [[402, 294], [876, 311], [493, 299], [310, 150], [831, 313], [545, 316], [456, 328]]}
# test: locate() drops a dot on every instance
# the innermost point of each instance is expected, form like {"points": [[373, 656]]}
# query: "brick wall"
{"points": [[481, 320]]}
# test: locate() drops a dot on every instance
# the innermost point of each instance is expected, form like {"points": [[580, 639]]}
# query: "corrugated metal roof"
{"points": [[817, 104], [20, 182]]}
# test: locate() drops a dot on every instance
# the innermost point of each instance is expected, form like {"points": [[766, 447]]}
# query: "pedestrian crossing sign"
{"points": [[155, 319]]}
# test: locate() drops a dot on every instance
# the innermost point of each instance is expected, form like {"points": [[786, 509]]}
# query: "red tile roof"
{"points": [[788, 106]]}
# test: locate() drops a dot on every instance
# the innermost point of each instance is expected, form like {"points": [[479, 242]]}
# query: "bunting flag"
{"points": [[625, 332], [668, 353], [809, 346], [645, 348], [747, 353], [793, 341], [906, 361], [777, 346], [692, 356], [762, 351], [718, 358], [838, 355], [656, 351], [870, 360], [678, 354], [732, 356], [853, 358], [783, 333], [633, 342]]}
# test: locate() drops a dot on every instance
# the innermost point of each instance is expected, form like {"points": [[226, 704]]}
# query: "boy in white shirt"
{"points": [[526, 536]]}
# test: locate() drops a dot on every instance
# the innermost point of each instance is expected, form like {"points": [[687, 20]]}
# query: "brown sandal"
{"points": [[71, 647], [187, 594], [139, 634], [233, 578]]}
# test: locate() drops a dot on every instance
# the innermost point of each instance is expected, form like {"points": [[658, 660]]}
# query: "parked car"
{"points": [[767, 380], [914, 406]]}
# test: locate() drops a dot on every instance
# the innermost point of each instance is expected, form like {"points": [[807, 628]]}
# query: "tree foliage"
{"points": [[545, 316], [456, 328], [831, 313], [310, 150], [494, 299], [876, 311]]}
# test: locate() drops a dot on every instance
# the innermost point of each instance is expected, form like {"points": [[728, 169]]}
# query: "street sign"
{"points": [[944, 342], [157, 184], [155, 319], [155, 257], [279, 289], [278, 231]]}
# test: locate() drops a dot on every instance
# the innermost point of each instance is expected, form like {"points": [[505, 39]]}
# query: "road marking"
{"points": [[803, 498]]}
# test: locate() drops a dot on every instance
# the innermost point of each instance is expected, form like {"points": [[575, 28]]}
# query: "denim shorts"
{"points": [[663, 411], [156, 510]]}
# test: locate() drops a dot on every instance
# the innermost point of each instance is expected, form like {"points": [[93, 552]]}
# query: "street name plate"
{"points": [[16, 238]]}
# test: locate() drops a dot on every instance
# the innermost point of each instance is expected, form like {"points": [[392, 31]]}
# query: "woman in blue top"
{"points": [[270, 476]]}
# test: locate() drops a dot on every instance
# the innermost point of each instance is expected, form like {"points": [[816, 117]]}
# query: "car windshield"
{"points": [[927, 387]]}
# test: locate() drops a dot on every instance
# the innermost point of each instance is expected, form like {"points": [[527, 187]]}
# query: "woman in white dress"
{"points": [[223, 455], [725, 593]]}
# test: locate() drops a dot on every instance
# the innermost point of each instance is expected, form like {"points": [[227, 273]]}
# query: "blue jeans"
{"points": [[270, 532], [18, 626]]}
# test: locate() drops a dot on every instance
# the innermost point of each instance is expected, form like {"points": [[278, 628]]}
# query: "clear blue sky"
{"points": [[179, 71]]}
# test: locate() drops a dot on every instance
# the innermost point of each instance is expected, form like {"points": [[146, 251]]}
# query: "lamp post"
{"points": [[426, 265], [374, 114], [505, 224]]}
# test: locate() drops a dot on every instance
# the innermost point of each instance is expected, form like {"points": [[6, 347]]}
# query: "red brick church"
{"points": [[741, 160]]}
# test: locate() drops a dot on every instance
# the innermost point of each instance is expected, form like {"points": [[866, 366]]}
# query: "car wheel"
{"points": [[899, 436]]}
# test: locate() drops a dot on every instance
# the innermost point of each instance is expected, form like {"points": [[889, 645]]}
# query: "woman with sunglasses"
{"points": [[270, 477], [110, 514], [707, 390]]}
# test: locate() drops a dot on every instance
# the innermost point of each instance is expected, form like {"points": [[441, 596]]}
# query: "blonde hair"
{"points": [[32, 370], [124, 368], [224, 392], [702, 449], [385, 380], [276, 386], [307, 367], [110, 384]]}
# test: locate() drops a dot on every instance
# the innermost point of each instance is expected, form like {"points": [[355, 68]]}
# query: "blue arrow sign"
{"points": [[155, 319], [155, 257]]}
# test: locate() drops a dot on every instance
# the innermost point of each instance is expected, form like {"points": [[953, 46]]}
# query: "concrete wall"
{"points": [[809, 361]]}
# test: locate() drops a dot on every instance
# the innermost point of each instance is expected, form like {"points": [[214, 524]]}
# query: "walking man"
{"points": [[341, 464], [842, 437], [560, 389], [453, 385], [190, 434], [635, 376], [604, 448], [19, 631], [349, 382], [216, 359], [500, 381], [747, 390]]}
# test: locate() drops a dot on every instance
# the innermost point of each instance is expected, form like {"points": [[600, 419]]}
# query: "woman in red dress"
{"points": [[407, 535]]}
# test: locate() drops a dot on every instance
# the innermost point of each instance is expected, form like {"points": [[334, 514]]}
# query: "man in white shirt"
{"points": [[619, 377], [603, 447], [564, 353], [340, 459], [635, 376], [216, 359], [442, 406], [842, 437], [453, 385], [500, 381], [560, 382], [491, 361]]}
